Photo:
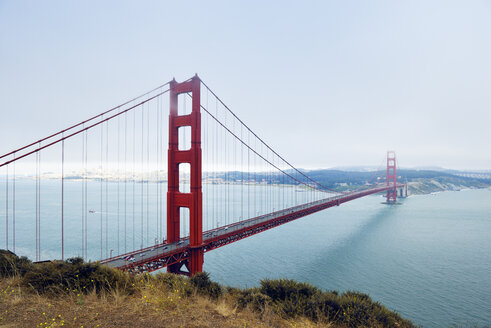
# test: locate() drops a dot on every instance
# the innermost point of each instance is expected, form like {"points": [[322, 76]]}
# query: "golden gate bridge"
{"points": [[109, 185]]}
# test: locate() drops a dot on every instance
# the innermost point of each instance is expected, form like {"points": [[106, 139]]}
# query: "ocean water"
{"points": [[428, 258]]}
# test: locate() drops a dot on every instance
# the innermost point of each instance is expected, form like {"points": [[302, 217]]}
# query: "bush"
{"points": [[11, 265], [204, 286], [75, 275], [174, 282], [359, 309], [290, 298], [251, 298], [284, 289]]}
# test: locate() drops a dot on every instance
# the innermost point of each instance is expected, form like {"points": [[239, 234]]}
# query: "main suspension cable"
{"points": [[83, 129], [83, 122], [247, 127]]}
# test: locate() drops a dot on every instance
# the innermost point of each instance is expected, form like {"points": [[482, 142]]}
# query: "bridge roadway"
{"points": [[161, 255]]}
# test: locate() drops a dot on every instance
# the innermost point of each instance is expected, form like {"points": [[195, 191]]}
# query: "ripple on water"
{"points": [[428, 259]]}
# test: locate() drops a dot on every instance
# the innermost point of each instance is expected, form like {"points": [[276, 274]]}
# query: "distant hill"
{"points": [[419, 181]]}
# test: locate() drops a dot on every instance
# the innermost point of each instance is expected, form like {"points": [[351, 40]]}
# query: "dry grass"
{"points": [[77, 294], [153, 305]]}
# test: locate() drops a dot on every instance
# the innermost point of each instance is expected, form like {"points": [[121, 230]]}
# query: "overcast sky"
{"points": [[325, 83]]}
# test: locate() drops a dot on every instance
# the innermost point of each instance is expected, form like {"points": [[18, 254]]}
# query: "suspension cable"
{"points": [[247, 127], [83, 129], [83, 122], [265, 159]]}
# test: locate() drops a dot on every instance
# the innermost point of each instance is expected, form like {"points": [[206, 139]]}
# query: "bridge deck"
{"points": [[162, 255]]}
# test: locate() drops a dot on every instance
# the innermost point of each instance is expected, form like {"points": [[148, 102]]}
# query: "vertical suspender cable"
{"points": [[125, 177], [157, 171], [262, 167], [270, 184], [248, 177], [7, 208], [271, 191], [241, 174], [83, 192], [38, 194], [211, 174], [271, 178], [141, 181], [13, 209], [134, 177], [148, 169], [295, 189], [271, 175], [273, 185], [225, 163], [216, 165], [86, 192], [100, 180], [255, 181], [37, 217], [119, 177], [106, 174], [234, 145], [283, 184], [62, 199]]}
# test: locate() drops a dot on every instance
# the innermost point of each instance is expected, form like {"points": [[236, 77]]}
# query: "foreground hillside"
{"points": [[77, 294]]}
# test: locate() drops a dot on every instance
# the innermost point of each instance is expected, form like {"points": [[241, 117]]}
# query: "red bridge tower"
{"points": [[194, 199], [391, 176]]}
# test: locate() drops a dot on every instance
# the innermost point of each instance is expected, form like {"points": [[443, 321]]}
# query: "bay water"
{"points": [[428, 258]]}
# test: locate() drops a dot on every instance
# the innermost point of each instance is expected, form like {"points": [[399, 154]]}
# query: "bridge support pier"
{"points": [[197, 259], [175, 198]]}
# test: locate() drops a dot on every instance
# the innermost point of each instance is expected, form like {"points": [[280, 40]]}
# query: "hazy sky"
{"points": [[325, 83]]}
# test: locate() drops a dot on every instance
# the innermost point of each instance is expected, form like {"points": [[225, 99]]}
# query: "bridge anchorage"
{"points": [[224, 184]]}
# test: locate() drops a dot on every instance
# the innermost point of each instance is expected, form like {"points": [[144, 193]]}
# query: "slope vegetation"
{"points": [[77, 294]]}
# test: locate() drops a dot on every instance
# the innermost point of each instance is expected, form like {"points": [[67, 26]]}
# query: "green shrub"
{"points": [[12, 265], [358, 309], [204, 286], [286, 297], [176, 283], [328, 305], [290, 298], [283, 289], [75, 275], [251, 298]]}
